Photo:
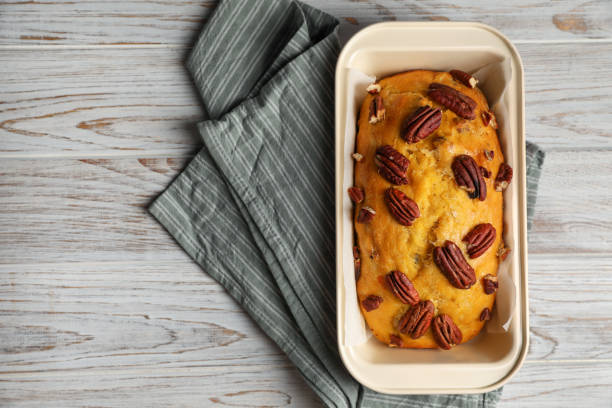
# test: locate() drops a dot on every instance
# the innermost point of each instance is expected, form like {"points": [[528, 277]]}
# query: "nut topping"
{"points": [[366, 214], [488, 119], [395, 341], [485, 172], [504, 177], [357, 157], [417, 319], [451, 262], [372, 302], [421, 124], [489, 284], [479, 239], [465, 78], [392, 165], [489, 154], [356, 194], [357, 262], [469, 177], [452, 99], [401, 287], [403, 208], [503, 251], [446, 332], [373, 88], [377, 109], [485, 314]]}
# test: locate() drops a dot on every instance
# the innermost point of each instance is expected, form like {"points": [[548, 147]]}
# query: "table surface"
{"points": [[100, 307]]}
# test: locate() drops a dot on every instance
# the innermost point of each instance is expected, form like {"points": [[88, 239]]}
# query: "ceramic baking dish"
{"points": [[489, 360]]}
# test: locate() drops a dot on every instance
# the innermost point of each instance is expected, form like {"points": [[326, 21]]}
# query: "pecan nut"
{"points": [[503, 251], [392, 165], [465, 78], [403, 208], [486, 173], [469, 177], [401, 287], [490, 284], [452, 99], [366, 214], [485, 314], [451, 262], [479, 239], [373, 88], [489, 154], [395, 341], [372, 302], [421, 124], [503, 178], [417, 319], [377, 109], [356, 194], [357, 262], [446, 332], [488, 119], [357, 157]]}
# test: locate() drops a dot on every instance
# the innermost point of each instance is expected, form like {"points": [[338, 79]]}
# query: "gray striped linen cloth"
{"points": [[255, 207]]}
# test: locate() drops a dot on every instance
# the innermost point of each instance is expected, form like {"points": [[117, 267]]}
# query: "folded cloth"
{"points": [[255, 207]]}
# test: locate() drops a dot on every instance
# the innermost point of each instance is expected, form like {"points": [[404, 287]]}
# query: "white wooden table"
{"points": [[99, 307]]}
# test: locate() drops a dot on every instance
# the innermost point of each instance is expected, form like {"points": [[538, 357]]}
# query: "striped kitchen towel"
{"points": [[255, 207]]}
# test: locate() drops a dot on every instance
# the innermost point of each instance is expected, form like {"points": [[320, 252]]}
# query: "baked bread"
{"points": [[428, 219]]}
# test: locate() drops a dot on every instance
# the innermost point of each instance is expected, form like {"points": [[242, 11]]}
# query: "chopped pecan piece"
{"points": [[421, 124], [488, 119], [356, 194], [452, 99], [377, 109], [417, 319], [486, 173], [489, 284], [372, 302], [403, 208], [357, 157], [503, 251], [392, 165], [373, 88], [401, 287], [357, 262], [485, 314], [469, 177], [503, 178], [465, 78], [479, 239], [489, 154], [451, 262], [366, 214], [395, 341], [446, 332]]}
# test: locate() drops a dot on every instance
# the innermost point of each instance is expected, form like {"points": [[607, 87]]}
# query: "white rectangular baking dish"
{"points": [[490, 359]]}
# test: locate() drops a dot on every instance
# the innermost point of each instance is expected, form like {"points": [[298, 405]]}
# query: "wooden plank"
{"points": [[67, 210], [161, 315], [141, 102], [179, 21], [560, 385]]}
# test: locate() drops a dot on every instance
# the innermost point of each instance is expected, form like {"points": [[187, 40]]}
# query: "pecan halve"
{"points": [[479, 239], [356, 194], [392, 165], [403, 208], [421, 124], [465, 78], [372, 302], [485, 314], [452, 99], [469, 177], [417, 319], [451, 262], [446, 332], [489, 284], [503, 178], [395, 341], [366, 214], [401, 287], [377, 109], [357, 262]]}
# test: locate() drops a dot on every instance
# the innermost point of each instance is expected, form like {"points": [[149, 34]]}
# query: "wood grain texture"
{"points": [[179, 21], [109, 102]]}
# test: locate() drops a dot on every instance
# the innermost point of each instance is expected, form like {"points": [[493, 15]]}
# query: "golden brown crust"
{"points": [[446, 212]]}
